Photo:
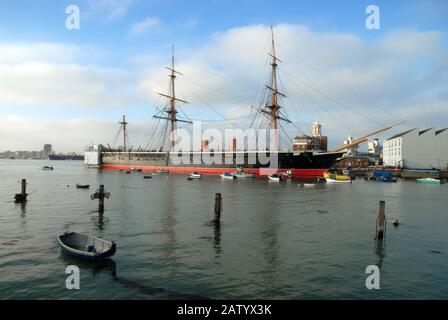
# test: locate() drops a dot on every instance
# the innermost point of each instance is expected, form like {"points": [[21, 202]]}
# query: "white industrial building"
{"points": [[417, 149]]}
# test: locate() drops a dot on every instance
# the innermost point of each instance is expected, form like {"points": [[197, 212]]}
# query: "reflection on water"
{"points": [[99, 221], [380, 252], [270, 240], [217, 240], [274, 240]]}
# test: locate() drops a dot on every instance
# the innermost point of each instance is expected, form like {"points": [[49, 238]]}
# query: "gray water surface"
{"points": [[276, 241]]}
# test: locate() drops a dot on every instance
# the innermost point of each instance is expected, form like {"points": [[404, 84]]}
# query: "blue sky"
{"points": [[115, 56]]}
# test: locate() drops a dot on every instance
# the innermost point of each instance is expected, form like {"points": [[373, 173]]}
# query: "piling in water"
{"points": [[218, 209], [22, 197], [381, 221], [100, 194]]}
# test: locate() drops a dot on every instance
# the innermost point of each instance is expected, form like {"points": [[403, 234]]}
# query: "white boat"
{"points": [[306, 185], [195, 175], [227, 175], [275, 177], [86, 247], [162, 171], [329, 180], [243, 175], [287, 174], [429, 181]]}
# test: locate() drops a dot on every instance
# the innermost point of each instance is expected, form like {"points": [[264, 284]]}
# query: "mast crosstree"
{"points": [[171, 112], [272, 108], [125, 133]]}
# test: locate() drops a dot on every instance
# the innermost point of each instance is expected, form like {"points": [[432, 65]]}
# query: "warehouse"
{"points": [[417, 149]]}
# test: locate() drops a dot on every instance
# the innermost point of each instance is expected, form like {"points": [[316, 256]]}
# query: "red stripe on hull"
{"points": [[296, 173]]}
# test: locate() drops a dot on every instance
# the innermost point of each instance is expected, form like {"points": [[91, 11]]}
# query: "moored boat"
{"points": [[243, 175], [82, 186], [86, 247], [227, 175], [47, 168], [147, 177], [429, 181], [275, 177], [336, 178], [162, 171], [195, 175], [381, 176]]}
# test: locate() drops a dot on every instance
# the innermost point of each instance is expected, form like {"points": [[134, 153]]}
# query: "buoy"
{"points": [[396, 222]]}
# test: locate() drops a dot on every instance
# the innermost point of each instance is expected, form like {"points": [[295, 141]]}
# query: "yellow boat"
{"points": [[333, 177]]}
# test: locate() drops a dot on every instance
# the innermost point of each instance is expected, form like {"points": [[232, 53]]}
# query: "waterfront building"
{"points": [[374, 148], [316, 141], [47, 151], [354, 162], [417, 149]]}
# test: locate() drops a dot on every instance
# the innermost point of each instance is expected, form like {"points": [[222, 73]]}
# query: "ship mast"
{"points": [[171, 112], [272, 108], [125, 132]]}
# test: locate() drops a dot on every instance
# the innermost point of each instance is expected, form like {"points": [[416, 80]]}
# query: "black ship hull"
{"points": [[300, 164]]}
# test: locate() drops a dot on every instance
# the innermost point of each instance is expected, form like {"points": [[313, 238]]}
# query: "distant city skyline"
{"points": [[45, 151], [71, 87]]}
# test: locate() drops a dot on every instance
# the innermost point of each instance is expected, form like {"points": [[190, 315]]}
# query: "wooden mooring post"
{"points": [[381, 221], [100, 194], [218, 209], [22, 197]]}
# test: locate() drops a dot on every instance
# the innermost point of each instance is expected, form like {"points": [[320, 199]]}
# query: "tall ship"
{"points": [[308, 158]]}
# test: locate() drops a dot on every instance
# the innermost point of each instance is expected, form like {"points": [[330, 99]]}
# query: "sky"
{"points": [[71, 87]]}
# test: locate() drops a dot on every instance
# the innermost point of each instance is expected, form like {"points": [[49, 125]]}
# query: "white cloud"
{"points": [[13, 53], [405, 73], [191, 23], [334, 76], [51, 75], [65, 134], [110, 10], [144, 26], [69, 85]]}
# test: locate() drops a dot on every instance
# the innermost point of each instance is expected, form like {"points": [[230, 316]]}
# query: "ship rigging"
{"points": [[309, 162]]}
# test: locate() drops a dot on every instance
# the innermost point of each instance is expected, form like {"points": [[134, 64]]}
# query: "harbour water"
{"points": [[276, 241]]}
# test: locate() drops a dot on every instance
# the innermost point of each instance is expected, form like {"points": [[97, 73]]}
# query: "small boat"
{"points": [[227, 175], [287, 174], [381, 176], [128, 172], [47, 168], [243, 175], [329, 180], [306, 185], [86, 247], [82, 186], [429, 181], [195, 175], [147, 177], [162, 171], [275, 177], [336, 178]]}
